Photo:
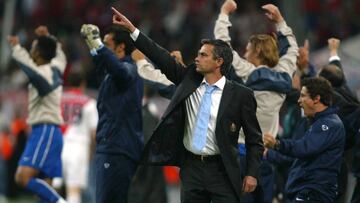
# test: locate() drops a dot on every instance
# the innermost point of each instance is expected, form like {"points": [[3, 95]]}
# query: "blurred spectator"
{"points": [[80, 122]]}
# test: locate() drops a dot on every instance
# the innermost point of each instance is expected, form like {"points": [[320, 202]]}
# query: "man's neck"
{"points": [[212, 78], [319, 109], [40, 61]]}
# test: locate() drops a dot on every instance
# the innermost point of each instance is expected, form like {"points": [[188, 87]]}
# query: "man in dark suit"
{"points": [[200, 128]]}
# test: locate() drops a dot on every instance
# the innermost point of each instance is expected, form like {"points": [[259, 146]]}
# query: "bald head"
{"points": [[333, 74]]}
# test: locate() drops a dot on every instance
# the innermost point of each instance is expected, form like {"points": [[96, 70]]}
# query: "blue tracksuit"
{"points": [[119, 134], [119, 105], [318, 158]]}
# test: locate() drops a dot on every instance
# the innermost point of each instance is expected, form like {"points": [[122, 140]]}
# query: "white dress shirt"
{"points": [[192, 104]]}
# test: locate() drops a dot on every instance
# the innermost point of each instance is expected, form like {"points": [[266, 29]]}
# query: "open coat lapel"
{"points": [[185, 88], [225, 99]]}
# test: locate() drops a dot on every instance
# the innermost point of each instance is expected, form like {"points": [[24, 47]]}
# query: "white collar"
{"points": [[219, 84]]}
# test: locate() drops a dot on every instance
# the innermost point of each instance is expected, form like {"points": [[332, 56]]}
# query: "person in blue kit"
{"points": [[119, 137], [314, 174], [41, 159]]}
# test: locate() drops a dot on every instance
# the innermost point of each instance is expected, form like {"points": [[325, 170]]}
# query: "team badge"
{"points": [[106, 165], [324, 127], [233, 127]]}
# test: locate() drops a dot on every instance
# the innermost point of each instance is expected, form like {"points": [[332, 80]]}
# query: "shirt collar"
{"points": [[126, 58], [219, 84]]}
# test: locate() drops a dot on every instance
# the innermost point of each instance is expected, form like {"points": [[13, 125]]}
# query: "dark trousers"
{"points": [[356, 194], [309, 196], [264, 191], [205, 181], [113, 176]]}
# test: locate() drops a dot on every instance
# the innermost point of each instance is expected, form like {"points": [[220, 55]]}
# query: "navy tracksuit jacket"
{"points": [[318, 156], [119, 105]]}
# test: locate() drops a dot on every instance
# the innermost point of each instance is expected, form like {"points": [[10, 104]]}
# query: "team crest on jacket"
{"points": [[324, 127], [233, 127]]}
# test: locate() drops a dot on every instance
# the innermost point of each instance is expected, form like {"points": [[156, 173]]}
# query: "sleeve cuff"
{"points": [[141, 62], [281, 25], [334, 58], [134, 35], [16, 47], [93, 52], [223, 16]]}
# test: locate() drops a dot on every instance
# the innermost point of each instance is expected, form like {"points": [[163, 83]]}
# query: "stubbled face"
{"points": [[250, 54], [119, 50], [109, 41], [205, 62], [306, 102]]}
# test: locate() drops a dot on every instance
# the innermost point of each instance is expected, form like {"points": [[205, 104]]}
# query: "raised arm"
{"points": [[242, 67], [153, 76], [287, 62], [22, 56], [121, 70], [147, 71], [333, 45], [44, 81], [59, 61], [173, 70]]}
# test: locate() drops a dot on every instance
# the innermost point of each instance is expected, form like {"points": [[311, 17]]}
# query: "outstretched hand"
{"points": [[122, 21], [42, 31], [228, 7], [334, 45], [272, 13], [303, 57], [178, 56]]}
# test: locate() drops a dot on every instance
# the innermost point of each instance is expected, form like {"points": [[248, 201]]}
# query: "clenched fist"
{"points": [[91, 34]]}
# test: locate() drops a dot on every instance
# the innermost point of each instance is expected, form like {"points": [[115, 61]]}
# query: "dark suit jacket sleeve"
{"points": [[173, 70], [253, 136], [336, 63]]}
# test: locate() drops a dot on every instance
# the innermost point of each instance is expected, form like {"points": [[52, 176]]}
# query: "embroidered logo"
{"points": [[324, 127], [233, 127], [106, 165]]}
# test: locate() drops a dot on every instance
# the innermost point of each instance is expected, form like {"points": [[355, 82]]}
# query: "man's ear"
{"points": [[219, 62], [316, 99], [35, 53], [120, 48]]}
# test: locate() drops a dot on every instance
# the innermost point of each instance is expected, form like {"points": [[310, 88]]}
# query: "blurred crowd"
{"points": [[177, 25]]}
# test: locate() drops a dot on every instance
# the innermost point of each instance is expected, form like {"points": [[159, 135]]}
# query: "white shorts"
{"points": [[75, 162]]}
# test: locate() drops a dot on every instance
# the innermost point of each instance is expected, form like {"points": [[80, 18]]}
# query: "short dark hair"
{"points": [[319, 86], [221, 50], [46, 46], [333, 74], [120, 35], [74, 79]]}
